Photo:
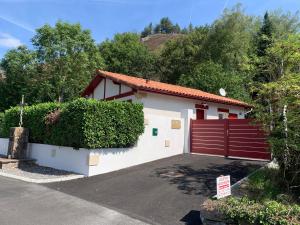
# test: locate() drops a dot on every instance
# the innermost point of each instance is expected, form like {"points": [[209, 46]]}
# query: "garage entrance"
{"points": [[229, 138]]}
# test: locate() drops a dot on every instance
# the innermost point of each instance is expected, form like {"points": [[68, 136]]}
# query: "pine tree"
{"points": [[264, 41], [264, 37], [147, 30]]}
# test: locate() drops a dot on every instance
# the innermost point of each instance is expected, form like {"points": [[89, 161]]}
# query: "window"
{"points": [[223, 113], [199, 114], [232, 116]]}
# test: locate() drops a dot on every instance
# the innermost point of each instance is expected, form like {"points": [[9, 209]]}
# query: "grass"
{"points": [[265, 184], [260, 200]]}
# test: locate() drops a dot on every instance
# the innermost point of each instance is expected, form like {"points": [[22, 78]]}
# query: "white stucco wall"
{"points": [[58, 157], [99, 91], [111, 89], [3, 146], [148, 148], [164, 105], [157, 104]]}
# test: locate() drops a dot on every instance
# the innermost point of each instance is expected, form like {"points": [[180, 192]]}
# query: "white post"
{"points": [[187, 115]]}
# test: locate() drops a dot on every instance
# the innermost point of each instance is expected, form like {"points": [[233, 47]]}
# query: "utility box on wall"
{"points": [[175, 124], [154, 131]]}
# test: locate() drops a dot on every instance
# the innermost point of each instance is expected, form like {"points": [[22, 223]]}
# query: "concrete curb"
{"points": [[41, 181]]}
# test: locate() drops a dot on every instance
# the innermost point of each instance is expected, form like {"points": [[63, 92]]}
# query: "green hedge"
{"points": [[81, 123], [245, 211]]}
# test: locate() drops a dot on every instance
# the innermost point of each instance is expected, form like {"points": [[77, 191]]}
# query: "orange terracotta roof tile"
{"points": [[162, 88]]}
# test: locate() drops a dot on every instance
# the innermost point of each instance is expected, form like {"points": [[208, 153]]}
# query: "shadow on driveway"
{"points": [[167, 191], [193, 181]]}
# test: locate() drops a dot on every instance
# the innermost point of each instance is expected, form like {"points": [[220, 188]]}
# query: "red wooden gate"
{"points": [[236, 138]]}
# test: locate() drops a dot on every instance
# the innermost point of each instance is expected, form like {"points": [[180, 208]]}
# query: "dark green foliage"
{"points": [[181, 55], [147, 31], [126, 54], [59, 68], [265, 35], [68, 57], [21, 73], [245, 211], [165, 26], [211, 77], [33, 118], [81, 123]]}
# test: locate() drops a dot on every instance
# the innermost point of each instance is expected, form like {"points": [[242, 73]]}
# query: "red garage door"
{"points": [[236, 138]]}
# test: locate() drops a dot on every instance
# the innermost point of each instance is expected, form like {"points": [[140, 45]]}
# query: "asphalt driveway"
{"points": [[24, 203], [167, 191]]}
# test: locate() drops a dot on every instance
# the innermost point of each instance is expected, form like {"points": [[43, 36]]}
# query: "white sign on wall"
{"points": [[223, 186]]}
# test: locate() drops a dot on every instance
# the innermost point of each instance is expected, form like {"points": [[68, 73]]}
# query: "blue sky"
{"points": [[19, 18]]}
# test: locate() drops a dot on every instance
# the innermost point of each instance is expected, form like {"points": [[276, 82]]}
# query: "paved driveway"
{"points": [[167, 191], [23, 203]]}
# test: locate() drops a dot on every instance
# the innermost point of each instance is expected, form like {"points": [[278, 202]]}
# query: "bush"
{"points": [[33, 118], [245, 211], [81, 123]]}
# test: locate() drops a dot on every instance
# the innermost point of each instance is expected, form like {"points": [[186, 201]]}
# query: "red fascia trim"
{"points": [[104, 94], [201, 106], [129, 93], [223, 110], [191, 97], [91, 87]]}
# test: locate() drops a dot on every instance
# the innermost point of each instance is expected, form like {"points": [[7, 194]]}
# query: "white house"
{"points": [[166, 100], [169, 112]]}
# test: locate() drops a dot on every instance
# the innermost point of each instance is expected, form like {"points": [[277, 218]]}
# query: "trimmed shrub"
{"points": [[245, 211], [81, 123], [33, 118]]}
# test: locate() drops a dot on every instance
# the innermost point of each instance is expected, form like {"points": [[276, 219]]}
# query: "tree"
{"points": [[210, 77], [264, 36], [284, 23], [180, 56], [230, 41], [147, 31], [19, 66], [126, 54], [165, 26], [176, 29], [68, 56], [283, 57], [284, 95]]}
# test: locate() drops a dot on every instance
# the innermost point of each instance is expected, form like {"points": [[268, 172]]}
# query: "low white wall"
{"points": [[58, 157], [148, 148], [3, 146]]}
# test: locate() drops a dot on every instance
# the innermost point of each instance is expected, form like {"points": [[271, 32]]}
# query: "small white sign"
{"points": [[223, 186]]}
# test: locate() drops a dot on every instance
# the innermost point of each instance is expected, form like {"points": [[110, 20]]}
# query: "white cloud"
{"points": [[8, 41]]}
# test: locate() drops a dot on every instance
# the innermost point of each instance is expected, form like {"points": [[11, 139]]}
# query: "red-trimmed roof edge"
{"points": [[216, 99]]}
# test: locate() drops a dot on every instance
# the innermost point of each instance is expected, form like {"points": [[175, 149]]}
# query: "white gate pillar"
{"points": [[187, 115]]}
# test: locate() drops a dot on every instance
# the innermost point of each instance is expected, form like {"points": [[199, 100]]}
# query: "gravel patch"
{"points": [[38, 174]]}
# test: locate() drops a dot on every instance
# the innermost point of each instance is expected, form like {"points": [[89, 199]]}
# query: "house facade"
{"points": [[164, 99], [166, 103], [177, 120]]}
